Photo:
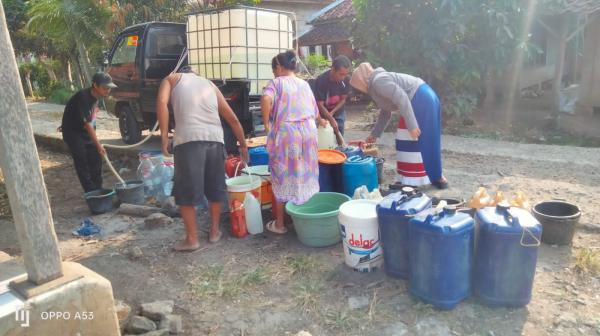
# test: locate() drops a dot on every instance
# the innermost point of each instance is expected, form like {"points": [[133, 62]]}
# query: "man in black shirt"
{"points": [[331, 91], [79, 131]]}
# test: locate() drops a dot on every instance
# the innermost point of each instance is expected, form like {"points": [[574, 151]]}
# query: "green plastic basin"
{"points": [[316, 221]]}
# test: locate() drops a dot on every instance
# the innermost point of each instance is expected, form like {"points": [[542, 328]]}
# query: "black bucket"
{"points": [[100, 201], [558, 219], [132, 192], [456, 202]]}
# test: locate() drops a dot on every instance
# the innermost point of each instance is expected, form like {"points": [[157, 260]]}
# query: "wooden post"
{"points": [[560, 60], [23, 174]]}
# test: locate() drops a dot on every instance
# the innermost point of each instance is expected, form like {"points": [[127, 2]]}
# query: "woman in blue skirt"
{"points": [[418, 137]]}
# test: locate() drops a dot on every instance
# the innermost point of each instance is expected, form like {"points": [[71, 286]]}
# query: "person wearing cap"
{"points": [[79, 131], [418, 136]]}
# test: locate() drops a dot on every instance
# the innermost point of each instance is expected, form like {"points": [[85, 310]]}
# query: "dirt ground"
{"points": [[273, 285]]}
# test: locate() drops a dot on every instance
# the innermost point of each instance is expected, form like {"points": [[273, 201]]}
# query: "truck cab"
{"points": [[140, 58]]}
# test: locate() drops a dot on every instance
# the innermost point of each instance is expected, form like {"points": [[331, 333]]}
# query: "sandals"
{"points": [[216, 239], [183, 247], [443, 184], [271, 227]]}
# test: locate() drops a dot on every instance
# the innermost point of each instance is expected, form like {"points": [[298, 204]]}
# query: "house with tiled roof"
{"points": [[331, 31]]}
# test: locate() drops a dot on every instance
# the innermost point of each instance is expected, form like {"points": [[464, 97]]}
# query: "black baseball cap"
{"points": [[103, 79]]}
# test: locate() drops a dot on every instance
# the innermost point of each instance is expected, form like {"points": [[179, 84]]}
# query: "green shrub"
{"points": [[459, 106], [60, 95], [316, 63], [42, 85]]}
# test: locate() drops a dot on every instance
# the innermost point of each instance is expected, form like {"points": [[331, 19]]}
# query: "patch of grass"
{"points": [[588, 261], [423, 309], [341, 319], [303, 265], [253, 278], [213, 281], [307, 292], [207, 281]]}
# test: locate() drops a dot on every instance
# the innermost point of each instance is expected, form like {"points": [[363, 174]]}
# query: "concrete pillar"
{"points": [[20, 165], [590, 68], [560, 59]]}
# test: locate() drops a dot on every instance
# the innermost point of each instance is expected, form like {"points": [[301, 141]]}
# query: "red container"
{"points": [[231, 164], [238, 219]]}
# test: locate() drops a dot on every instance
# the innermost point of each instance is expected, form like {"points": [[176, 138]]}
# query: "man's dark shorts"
{"points": [[199, 172]]}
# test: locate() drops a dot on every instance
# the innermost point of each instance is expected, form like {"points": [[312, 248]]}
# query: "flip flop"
{"points": [[179, 248], [440, 184], [216, 239], [271, 227]]}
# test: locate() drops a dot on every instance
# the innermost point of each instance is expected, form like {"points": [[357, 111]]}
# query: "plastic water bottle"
{"points": [[145, 173], [166, 178], [254, 220]]}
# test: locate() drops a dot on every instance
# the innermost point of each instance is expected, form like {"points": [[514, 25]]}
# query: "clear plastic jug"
{"points": [[145, 173], [254, 220], [326, 138]]}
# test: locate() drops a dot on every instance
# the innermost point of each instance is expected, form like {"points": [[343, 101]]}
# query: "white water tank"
{"points": [[238, 43]]}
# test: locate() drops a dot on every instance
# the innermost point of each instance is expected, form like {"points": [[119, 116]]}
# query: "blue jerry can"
{"points": [[507, 247], [393, 214], [258, 156], [358, 171], [441, 257]]}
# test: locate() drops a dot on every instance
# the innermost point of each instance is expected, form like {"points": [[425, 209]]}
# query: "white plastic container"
{"points": [[254, 221], [326, 137], [238, 43], [360, 235]]}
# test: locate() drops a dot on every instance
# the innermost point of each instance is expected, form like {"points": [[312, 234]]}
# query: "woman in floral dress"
{"points": [[289, 113]]}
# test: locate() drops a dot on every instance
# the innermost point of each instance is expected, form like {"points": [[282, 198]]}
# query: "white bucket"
{"points": [[360, 235], [238, 186]]}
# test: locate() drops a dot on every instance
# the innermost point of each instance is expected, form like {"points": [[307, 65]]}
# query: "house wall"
{"points": [[539, 73], [344, 48]]}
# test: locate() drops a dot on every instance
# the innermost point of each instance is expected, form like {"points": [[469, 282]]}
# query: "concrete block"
{"points": [[123, 310], [140, 325], [157, 220], [172, 323], [4, 256], [157, 310], [160, 332], [82, 306]]}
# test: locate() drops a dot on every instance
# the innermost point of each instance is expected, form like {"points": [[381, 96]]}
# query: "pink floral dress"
{"points": [[292, 140]]}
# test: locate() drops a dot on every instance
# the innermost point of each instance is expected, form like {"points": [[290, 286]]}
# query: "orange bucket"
{"points": [[331, 156]]}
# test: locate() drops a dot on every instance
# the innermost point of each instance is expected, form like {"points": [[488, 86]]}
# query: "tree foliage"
{"points": [[129, 12], [452, 44]]}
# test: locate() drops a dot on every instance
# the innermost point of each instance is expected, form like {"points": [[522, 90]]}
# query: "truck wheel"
{"points": [[131, 132]]}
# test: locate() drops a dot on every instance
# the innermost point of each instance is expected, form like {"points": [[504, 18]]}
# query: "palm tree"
{"points": [[78, 23]]}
